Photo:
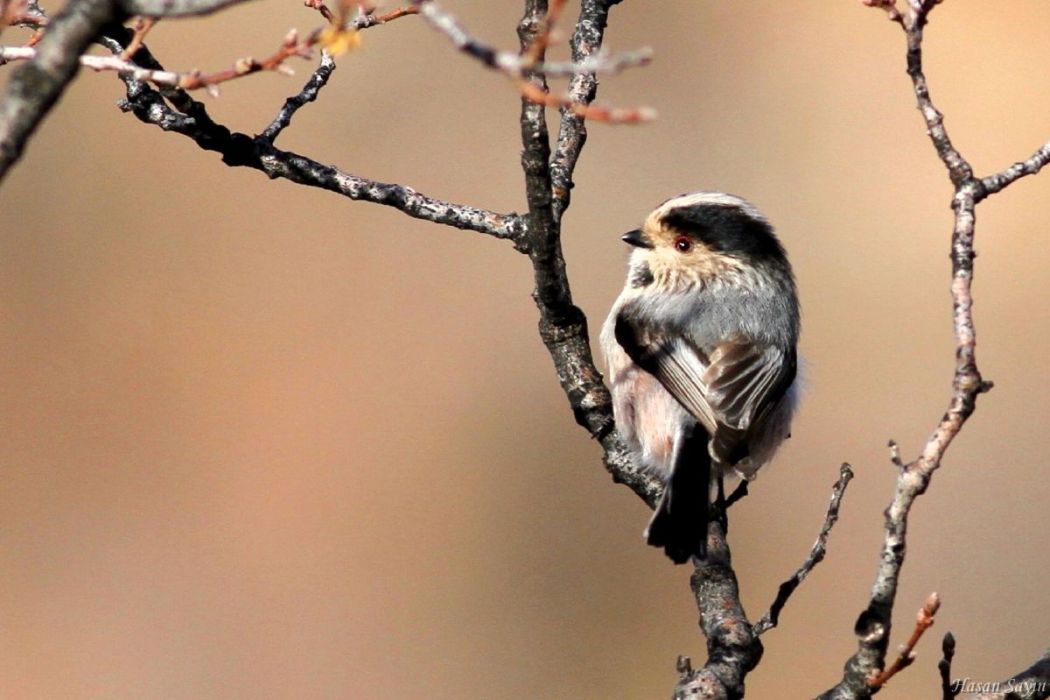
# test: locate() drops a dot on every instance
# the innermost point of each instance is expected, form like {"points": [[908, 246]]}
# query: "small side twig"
{"points": [[816, 554], [948, 689], [309, 93], [923, 621], [895, 454], [1028, 166], [141, 28], [189, 80]]}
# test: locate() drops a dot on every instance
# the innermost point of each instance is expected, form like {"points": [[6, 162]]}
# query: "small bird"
{"points": [[701, 355]]}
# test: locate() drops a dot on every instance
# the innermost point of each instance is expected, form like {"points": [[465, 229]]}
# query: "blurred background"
{"points": [[261, 441]]}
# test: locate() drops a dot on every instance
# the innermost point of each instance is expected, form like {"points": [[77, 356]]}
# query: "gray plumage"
{"points": [[700, 348]]}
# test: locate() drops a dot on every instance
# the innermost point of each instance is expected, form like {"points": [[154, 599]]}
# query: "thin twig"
{"points": [[597, 113], [309, 93], [531, 61], [238, 149], [949, 689], [1029, 166], [142, 27], [291, 46], [816, 554], [189, 80], [923, 621]]}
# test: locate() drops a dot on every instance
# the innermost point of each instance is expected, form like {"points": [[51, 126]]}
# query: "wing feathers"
{"points": [[726, 386]]}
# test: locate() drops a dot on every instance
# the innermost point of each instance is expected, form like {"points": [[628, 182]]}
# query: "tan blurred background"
{"points": [[263, 442]]}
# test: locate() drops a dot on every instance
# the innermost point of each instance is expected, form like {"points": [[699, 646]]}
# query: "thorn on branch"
{"points": [[923, 621]]}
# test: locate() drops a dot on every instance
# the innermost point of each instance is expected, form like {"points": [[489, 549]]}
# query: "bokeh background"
{"points": [[259, 441]]}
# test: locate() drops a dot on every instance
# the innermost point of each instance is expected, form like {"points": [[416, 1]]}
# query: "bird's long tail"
{"points": [[679, 524]]}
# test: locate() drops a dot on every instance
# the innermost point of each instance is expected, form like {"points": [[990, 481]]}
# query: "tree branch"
{"points": [[35, 87], [258, 152], [874, 623], [733, 649]]}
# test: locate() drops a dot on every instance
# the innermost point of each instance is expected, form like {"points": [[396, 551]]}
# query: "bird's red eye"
{"points": [[682, 244]]}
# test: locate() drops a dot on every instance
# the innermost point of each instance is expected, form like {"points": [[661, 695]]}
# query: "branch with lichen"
{"points": [[874, 624]]}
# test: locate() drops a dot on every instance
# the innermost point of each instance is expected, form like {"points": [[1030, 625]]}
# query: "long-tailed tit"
{"points": [[700, 347]]}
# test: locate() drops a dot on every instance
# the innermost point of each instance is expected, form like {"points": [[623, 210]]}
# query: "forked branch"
{"points": [[874, 623]]}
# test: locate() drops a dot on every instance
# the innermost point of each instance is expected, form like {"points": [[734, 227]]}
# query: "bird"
{"points": [[701, 356]]}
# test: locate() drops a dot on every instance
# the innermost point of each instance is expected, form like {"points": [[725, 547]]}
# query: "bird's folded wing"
{"points": [[726, 386]]}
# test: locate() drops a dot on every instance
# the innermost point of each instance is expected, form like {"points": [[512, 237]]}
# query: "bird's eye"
{"points": [[682, 244]]}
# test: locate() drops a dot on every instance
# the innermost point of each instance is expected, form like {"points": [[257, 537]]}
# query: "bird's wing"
{"points": [[726, 386]]}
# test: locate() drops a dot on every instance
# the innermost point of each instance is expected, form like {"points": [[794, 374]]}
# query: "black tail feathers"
{"points": [[679, 524]]}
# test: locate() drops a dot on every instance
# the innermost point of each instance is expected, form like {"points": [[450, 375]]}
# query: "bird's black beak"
{"points": [[636, 239]]}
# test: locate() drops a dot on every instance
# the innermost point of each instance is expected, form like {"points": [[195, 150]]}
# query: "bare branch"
{"points": [[563, 326], [733, 649], [1029, 166], [35, 87], [572, 133], [816, 554], [923, 621], [188, 80], [873, 624], [959, 169], [238, 149]]}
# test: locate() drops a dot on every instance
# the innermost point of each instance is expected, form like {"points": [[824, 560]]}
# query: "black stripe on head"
{"points": [[726, 229]]}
